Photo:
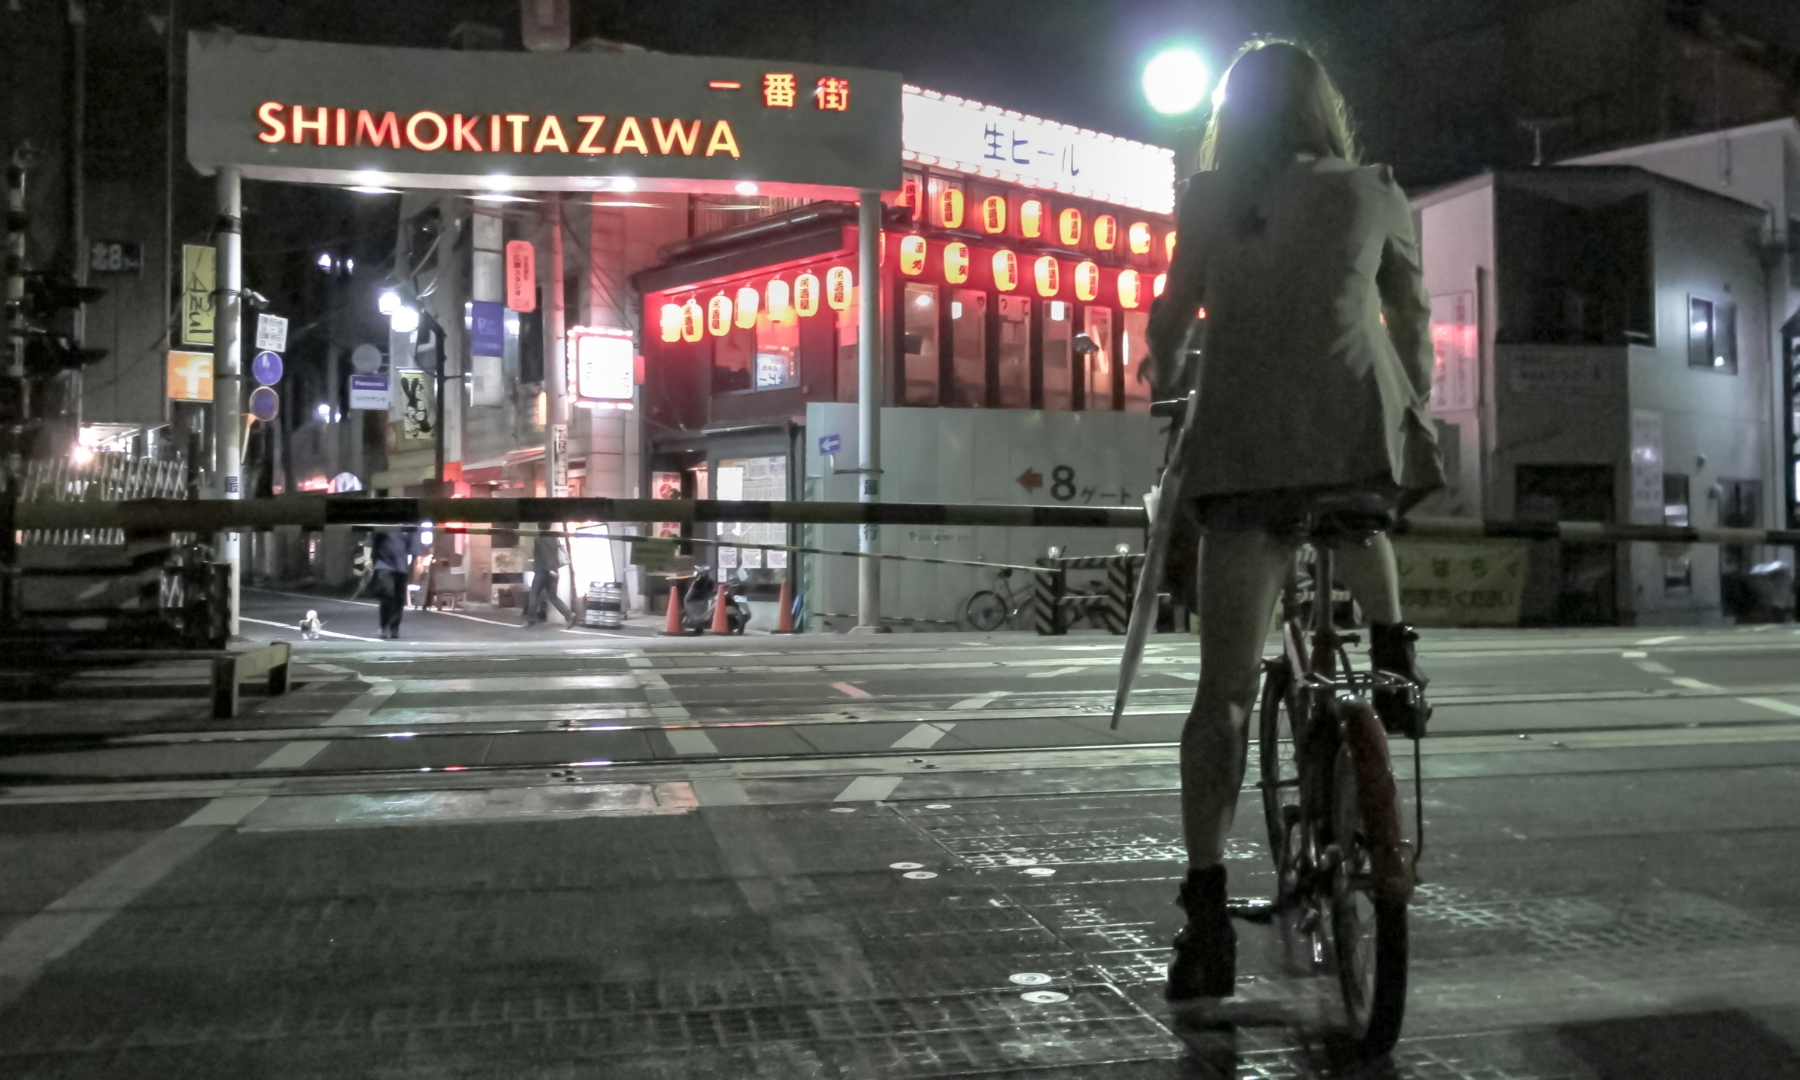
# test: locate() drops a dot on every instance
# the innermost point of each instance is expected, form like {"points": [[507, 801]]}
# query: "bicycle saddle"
{"points": [[1348, 515]]}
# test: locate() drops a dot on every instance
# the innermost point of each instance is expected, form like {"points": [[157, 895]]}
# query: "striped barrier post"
{"points": [[1118, 592], [1046, 599]]}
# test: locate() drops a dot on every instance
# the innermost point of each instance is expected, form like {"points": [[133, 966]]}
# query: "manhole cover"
{"points": [[919, 875], [1044, 997], [905, 866], [1031, 978]]}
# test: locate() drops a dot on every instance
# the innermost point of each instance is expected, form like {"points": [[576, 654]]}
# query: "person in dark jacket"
{"points": [[547, 558], [391, 555]]}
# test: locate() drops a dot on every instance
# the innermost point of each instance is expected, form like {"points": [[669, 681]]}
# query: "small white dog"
{"points": [[309, 626]]}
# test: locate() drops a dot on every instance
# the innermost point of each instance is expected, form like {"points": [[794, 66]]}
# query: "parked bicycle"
{"points": [[991, 609], [1344, 873]]}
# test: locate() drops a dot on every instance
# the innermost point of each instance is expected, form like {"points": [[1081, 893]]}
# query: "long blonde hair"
{"points": [[1274, 102]]}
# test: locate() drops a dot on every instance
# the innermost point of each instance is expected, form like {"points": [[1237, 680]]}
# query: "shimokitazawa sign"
{"points": [[501, 121]]}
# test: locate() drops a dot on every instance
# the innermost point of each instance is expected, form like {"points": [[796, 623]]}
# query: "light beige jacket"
{"points": [[1301, 384]]}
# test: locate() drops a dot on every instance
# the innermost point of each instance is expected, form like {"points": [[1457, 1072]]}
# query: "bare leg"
{"points": [[1240, 577], [1368, 571]]}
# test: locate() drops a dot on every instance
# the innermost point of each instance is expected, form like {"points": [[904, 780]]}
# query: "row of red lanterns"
{"points": [[1139, 237], [690, 321]]}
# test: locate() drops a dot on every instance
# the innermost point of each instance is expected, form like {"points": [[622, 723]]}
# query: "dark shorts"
{"points": [[1285, 510]]}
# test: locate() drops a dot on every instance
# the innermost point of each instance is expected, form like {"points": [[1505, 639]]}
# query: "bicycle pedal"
{"points": [[1255, 911]]}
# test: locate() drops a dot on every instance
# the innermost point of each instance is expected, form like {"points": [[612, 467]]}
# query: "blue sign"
{"points": [[264, 404], [487, 328], [830, 444], [266, 366]]}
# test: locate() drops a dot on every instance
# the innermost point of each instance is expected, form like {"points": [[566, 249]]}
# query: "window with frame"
{"points": [[762, 357], [1677, 559], [1712, 335]]}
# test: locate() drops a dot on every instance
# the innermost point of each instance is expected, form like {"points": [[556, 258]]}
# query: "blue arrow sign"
{"points": [[266, 366]]}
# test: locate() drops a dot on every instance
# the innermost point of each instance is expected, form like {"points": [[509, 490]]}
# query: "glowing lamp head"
{"points": [[718, 315], [838, 286], [388, 302], [1131, 289], [403, 319], [746, 303], [806, 294], [1006, 270], [1031, 219], [1087, 281], [1175, 81], [956, 263], [780, 298], [1106, 232], [1068, 227], [1048, 275], [993, 214], [671, 323], [693, 321], [1138, 237], [912, 255]]}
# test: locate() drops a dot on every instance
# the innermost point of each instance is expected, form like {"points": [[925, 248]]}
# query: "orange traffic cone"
{"points": [[673, 627], [721, 625], [784, 623]]}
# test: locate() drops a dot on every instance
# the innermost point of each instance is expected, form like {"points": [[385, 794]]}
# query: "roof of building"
{"points": [[1573, 173]]}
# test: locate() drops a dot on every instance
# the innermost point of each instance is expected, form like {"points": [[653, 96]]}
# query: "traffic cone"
{"points": [[721, 625], [784, 623], [673, 627]]}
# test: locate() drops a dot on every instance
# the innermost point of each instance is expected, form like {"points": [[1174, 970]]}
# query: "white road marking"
{"points": [[981, 700], [294, 755], [690, 741], [1772, 705], [1054, 674], [850, 691], [296, 629], [869, 789], [718, 791], [1694, 684], [1654, 668], [922, 737], [1633, 654], [1661, 640], [34, 944]]}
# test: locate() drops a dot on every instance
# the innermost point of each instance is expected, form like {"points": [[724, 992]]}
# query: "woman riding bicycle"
{"points": [[1316, 366]]}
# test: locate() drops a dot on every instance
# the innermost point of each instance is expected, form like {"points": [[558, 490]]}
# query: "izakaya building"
{"points": [[646, 272]]}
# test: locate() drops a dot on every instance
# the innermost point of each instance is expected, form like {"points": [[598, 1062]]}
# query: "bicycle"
{"points": [[990, 609], [1344, 874]]}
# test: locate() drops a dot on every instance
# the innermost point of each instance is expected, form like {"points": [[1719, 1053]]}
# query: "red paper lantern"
{"points": [[912, 255], [1006, 270], [956, 262], [1068, 224], [1139, 237], [993, 214], [1031, 219], [1048, 274], [1087, 281], [1106, 232]]}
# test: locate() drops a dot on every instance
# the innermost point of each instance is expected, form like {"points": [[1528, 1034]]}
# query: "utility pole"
{"points": [[556, 367], [15, 395], [868, 408], [228, 361]]}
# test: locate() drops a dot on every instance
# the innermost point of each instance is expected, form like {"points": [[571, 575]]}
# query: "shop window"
{"points": [[920, 342], [1712, 335], [762, 357], [968, 348], [1058, 387], [1677, 559], [1134, 353], [1097, 372], [1013, 369]]}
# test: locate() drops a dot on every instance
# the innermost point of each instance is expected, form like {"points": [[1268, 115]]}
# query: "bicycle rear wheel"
{"points": [[1277, 766], [1368, 921], [986, 610]]}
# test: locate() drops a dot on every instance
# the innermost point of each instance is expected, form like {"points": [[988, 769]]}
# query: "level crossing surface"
{"points": [[484, 850]]}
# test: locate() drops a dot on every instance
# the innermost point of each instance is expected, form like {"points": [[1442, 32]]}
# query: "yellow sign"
{"points": [[1460, 584], [190, 376], [197, 286]]}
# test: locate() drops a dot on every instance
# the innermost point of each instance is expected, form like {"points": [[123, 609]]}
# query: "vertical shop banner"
{"points": [[417, 410], [1456, 345], [487, 328], [557, 476], [197, 286]]}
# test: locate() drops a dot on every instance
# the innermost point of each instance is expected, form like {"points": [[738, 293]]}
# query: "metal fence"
{"points": [[106, 477]]}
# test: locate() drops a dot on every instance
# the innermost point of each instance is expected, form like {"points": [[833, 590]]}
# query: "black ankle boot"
{"points": [[1392, 649], [1205, 963]]}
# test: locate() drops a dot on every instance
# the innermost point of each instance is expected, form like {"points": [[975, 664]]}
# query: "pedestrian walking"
{"points": [[391, 555], [1288, 252], [547, 559]]}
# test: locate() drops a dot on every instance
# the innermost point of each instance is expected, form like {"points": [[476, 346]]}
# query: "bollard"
{"points": [[784, 623], [1046, 597], [721, 623], [1117, 612], [672, 628]]}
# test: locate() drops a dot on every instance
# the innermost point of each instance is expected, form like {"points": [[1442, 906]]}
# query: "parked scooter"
{"points": [[703, 593]]}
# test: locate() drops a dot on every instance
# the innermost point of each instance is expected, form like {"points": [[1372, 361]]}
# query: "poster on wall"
{"points": [[1456, 346], [756, 479], [1647, 466], [416, 408], [665, 485]]}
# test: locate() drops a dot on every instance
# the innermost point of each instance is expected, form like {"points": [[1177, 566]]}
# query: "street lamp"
{"points": [[1175, 81], [388, 302], [403, 319]]}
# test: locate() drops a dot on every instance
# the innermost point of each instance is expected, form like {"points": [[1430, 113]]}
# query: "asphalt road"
{"points": [[486, 851]]}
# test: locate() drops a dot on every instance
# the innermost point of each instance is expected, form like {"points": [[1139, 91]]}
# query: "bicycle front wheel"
{"points": [[1368, 921], [985, 610], [1277, 766]]}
